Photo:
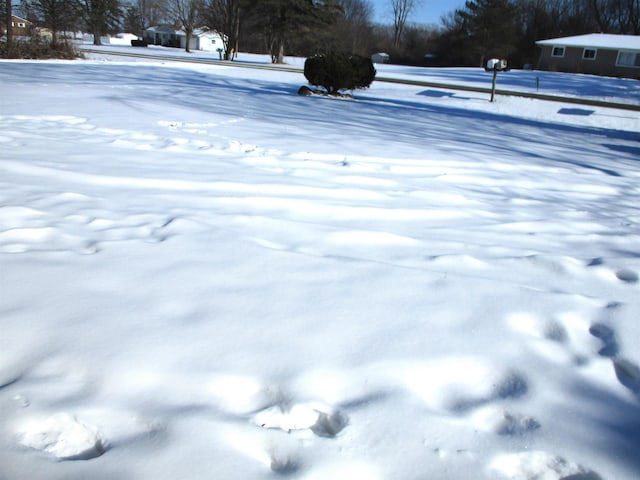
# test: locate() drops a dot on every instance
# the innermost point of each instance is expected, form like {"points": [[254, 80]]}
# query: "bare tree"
{"points": [[223, 16], [145, 13], [186, 14], [354, 26], [616, 16], [633, 9], [152, 12], [401, 9]]}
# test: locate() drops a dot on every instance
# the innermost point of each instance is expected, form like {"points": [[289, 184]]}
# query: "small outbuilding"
{"points": [[202, 39], [380, 57], [122, 39], [596, 53]]}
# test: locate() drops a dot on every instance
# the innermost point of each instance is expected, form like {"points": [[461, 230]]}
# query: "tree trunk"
{"points": [[9, 33], [96, 36], [188, 35], [236, 35]]}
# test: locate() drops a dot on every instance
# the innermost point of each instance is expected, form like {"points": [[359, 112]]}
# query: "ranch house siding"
{"points": [[595, 54], [20, 27], [573, 61]]}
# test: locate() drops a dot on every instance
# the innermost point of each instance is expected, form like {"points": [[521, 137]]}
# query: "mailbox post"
{"points": [[495, 65]]}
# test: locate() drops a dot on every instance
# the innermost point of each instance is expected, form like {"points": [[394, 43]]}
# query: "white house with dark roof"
{"points": [[201, 39], [595, 53], [165, 35]]}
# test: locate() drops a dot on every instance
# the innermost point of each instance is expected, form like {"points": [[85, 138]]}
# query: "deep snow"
{"points": [[204, 275]]}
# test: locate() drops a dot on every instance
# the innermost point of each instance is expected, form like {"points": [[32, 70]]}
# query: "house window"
{"points": [[557, 52], [589, 54], [628, 59]]}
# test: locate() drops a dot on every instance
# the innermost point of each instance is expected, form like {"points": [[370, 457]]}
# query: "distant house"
{"points": [[205, 40], [165, 35], [596, 53], [20, 27], [201, 39]]}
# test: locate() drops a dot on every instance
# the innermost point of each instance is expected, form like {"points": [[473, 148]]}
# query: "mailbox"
{"points": [[496, 65]]}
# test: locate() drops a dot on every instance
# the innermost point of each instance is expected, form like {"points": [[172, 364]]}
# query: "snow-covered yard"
{"points": [[206, 276]]}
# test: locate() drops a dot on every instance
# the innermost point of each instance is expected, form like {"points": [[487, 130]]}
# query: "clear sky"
{"points": [[429, 11]]}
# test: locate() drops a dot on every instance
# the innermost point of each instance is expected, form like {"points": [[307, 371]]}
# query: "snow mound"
{"points": [[540, 466], [64, 437]]}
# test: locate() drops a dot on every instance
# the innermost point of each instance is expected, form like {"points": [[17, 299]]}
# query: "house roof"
{"points": [[198, 32], [596, 40], [20, 19], [163, 29], [206, 32]]}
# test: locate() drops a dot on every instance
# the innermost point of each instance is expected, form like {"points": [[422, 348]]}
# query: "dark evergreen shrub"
{"points": [[335, 71], [363, 71]]}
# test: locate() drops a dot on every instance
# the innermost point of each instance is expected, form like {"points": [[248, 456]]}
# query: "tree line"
{"points": [[464, 37], [510, 28]]}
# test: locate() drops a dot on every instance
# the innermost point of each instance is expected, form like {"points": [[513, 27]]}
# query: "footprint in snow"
{"points": [[628, 374], [607, 336], [283, 465], [280, 454], [510, 386], [540, 465], [242, 396], [501, 422], [623, 274], [538, 327], [627, 276], [320, 419], [461, 385]]}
